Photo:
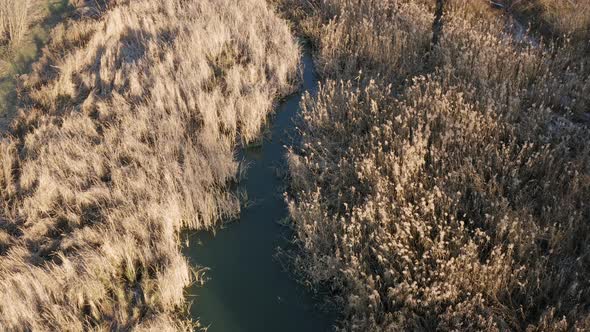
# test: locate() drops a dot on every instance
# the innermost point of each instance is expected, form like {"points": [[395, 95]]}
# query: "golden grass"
{"points": [[16, 57], [14, 20], [128, 136], [445, 187]]}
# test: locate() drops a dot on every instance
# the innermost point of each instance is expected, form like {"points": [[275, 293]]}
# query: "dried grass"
{"points": [[14, 21], [128, 137], [570, 18], [442, 188]]}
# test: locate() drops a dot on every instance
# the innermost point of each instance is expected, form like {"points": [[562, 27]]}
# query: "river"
{"points": [[247, 289]]}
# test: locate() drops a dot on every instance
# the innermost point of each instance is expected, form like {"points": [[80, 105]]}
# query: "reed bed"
{"points": [[127, 137], [441, 186]]}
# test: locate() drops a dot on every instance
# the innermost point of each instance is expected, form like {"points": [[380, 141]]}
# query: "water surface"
{"points": [[247, 289]]}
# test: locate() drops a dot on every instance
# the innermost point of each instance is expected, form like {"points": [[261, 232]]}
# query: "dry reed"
{"points": [[442, 187], [569, 18], [14, 21], [128, 136]]}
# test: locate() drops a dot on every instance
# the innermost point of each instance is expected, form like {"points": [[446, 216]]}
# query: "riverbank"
{"points": [[551, 19], [130, 123], [442, 182], [247, 288]]}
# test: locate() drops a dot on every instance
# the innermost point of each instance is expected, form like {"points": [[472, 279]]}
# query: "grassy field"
{"points": [[127, 135], [443, 183]]}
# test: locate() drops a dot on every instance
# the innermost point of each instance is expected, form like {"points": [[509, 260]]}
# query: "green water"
{"points": [[248, 290]]}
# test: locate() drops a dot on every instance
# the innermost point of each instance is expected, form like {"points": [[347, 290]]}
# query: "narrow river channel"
{"points": [[247, 289]]}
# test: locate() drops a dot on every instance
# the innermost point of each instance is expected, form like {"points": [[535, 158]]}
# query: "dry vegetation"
{"points": [[25, 27], [128, 136], [442, 187], [14, 20], [570, 18]]}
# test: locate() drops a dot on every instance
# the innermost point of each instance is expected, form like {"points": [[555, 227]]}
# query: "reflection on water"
{"points": [[247, 289]]}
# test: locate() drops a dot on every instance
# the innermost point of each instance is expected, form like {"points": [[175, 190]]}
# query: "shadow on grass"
{"points": [[21, 60]]}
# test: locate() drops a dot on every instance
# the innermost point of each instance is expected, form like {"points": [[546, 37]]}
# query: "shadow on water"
{"points": [[247, 290]]}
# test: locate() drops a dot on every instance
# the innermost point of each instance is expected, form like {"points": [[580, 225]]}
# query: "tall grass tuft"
{"points": [[14, 21]]}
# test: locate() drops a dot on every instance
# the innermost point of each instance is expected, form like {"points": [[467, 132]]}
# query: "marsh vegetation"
{"points": [[570, 18], [443, 181], [126, 136]]}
